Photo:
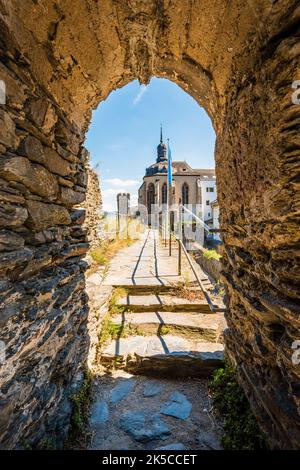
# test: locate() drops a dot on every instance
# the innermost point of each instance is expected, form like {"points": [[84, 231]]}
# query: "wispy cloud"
{"points": [[114, 147], [121, 183], [140, 94]]}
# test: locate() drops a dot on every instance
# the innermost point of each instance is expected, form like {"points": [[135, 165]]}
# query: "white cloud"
{"points": [[120, 182], [140, 94]]}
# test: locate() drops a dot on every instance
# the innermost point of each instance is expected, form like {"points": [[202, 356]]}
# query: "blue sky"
{"points": [[125, 129]]}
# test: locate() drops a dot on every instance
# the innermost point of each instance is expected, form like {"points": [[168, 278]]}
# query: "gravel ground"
{"points": [[119, 403]]}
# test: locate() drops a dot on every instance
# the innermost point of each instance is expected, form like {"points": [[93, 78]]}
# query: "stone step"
{"points": [[184, 324], [161, 302], [164, 356]]}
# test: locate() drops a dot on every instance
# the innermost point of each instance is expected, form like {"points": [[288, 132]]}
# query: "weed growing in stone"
{"points": [[81, 402], [212, 254], [241, 431]]}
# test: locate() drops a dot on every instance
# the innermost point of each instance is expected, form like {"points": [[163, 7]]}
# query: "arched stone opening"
{"points": [[58, 61]]}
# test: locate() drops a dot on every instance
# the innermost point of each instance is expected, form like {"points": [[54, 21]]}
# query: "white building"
{"points": [[216, 218]]}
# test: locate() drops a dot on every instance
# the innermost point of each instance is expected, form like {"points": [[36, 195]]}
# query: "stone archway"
{"points": [[58, 61]]}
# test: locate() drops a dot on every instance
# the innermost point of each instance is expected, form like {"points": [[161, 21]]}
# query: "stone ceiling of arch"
{"points": [[80, 50]]}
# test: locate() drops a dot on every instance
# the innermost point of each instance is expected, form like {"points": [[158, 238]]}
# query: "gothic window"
{"points": [[164, 190], [150, 196], [185, 194]]}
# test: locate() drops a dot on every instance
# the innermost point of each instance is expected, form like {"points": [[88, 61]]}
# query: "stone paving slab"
{"points": [[152, 303], [146, 262], [164, 356], [181, 323]]}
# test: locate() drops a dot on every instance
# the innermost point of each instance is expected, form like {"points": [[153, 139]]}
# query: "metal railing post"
{"points": [[179, 258], [179, 236]]}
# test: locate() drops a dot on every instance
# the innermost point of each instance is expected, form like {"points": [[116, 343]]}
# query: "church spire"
{"points": [[161, 149]]}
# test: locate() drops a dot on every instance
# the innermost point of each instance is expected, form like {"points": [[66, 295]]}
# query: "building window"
{"points": [[164, 191], [185, 194], [210, 189], [207, 203], [150, 197], [208, 215]]}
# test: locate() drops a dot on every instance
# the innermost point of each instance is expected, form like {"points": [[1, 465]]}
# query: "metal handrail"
{"points": [[212, 307], [206, 227]]}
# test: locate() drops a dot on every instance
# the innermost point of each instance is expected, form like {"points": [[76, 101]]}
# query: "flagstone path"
{"points": [[152, 388]]}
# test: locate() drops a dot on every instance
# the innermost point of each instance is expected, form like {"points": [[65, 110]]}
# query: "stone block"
{"points": [[12, 215], [32, 148], [10, 241], [57, 164], [69, 197], [35, 177], [42, 216], [7, 131]]}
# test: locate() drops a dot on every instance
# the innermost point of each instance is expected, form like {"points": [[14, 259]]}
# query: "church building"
{"points": [[192, 185]]}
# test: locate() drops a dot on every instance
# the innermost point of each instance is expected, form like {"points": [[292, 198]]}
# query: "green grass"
{"points": [[241, 431], [212, 254]]}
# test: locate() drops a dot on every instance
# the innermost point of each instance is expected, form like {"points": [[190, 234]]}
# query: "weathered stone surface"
{"points": [[121, 390], [56, 164], [32, 148], [42, 215], [34, 177], [92, 206], [151, 389], [69, 198], [99, 413], [10, 260], [144, 426], [174, 355], [10, 240], [178, 406], [7, 130], [12, 215]]}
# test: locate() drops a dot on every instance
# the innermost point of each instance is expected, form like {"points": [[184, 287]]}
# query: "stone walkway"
{"points": [[170, 343]]}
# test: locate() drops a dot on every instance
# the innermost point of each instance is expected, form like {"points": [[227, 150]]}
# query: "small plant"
{"points": [[163, 330], [240, 426], [110, 330], [81, 401], [116, 330], [212, 254]]}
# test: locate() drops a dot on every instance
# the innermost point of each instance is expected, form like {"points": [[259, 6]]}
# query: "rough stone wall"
{"points": [[258, 190], [92, 206], [59, 59], [43, 302]]}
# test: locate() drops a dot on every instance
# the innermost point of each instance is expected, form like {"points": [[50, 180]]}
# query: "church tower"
{"points": [[161, 149]]}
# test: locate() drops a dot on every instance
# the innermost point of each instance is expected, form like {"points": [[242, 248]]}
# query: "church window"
{"points": [[164, 190], [185, 194]]}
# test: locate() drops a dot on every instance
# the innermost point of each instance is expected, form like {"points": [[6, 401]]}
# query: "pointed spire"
{"points": [[161, 135]]}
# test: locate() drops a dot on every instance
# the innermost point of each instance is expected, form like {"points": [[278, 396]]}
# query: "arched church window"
{"points": [[150, 196], [164, 190], [185, 194]]}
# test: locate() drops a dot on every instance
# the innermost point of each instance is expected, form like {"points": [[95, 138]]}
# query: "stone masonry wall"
{"points": [[43, 302], [92, 206]]}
